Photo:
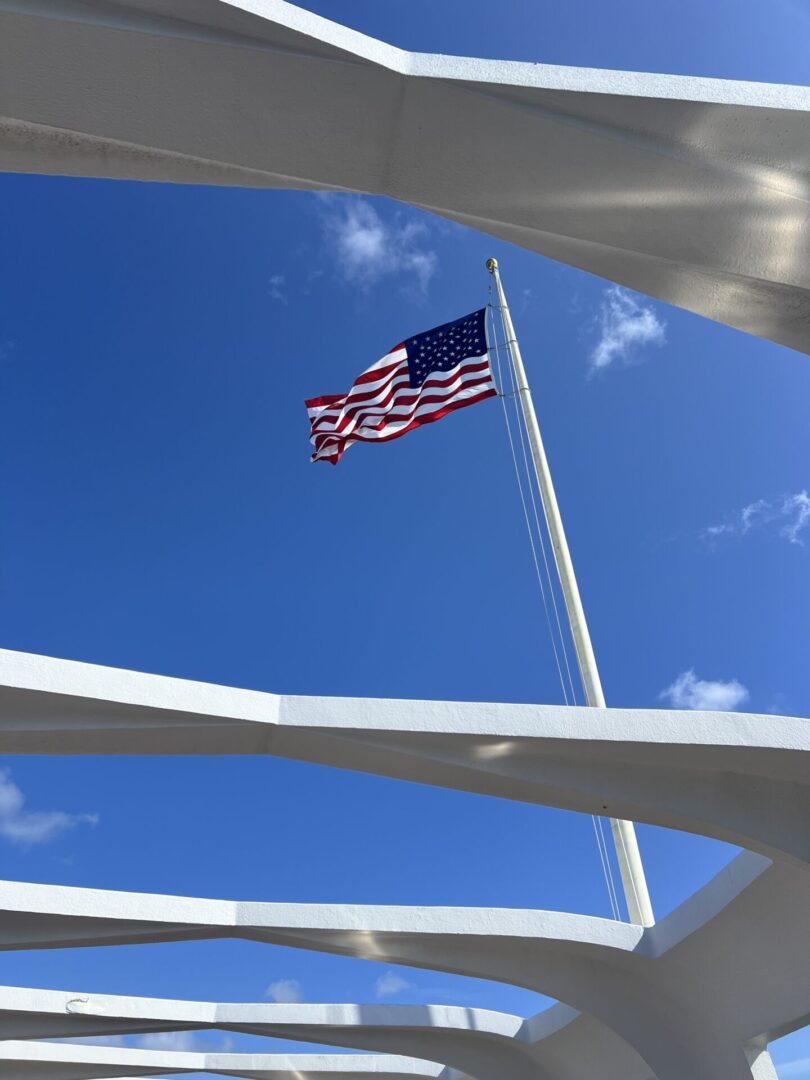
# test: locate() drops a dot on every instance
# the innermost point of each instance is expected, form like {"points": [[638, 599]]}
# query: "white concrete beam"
{"points": [[475, 1041], [649, 987], [741, 778], [558, 1042], [62, 1061], [691, 190]]}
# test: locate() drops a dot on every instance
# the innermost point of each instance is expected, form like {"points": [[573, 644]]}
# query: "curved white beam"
{"points": [[63, 1061], [692, 190], [558, 1042], [741, 778], [649, 986], [480, 1043]]}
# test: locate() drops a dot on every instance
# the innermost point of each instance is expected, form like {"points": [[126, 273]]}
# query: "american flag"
{"points": [[419, 381]]}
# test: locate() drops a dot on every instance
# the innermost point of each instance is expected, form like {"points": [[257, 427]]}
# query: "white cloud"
{"points": [[788, 515], [28, 827], [626, 323], [285, 992], [186, 1041], [367, 247], [390, 984], [95, 1040], [277, 288], [690, 692], [796, 511], [182, 1041]]}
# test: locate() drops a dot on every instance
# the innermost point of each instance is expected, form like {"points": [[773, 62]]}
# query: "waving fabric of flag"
{"points": [[419, 381]]}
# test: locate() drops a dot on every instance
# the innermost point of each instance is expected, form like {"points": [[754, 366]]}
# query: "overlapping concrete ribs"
{"points": [[633, 991], [690, 190]]}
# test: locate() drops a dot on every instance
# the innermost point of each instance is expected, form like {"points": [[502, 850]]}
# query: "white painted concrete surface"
{"points": [[54, 1061], [647, 986], [737, 777], [691, 190], [634, 992]]}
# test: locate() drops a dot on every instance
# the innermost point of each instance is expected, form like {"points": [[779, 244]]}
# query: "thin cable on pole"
{"points": [[520, 421], [496, 346], [526, 517], [540, 532], [607, 870]]}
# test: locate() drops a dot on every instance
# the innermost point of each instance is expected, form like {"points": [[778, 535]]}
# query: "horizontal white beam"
{"points": [[487, 1045], [742, 778], [62, 1061]]}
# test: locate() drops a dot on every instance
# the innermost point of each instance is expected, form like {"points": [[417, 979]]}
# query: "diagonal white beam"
{"points": [[742, 778], [692, 190]]}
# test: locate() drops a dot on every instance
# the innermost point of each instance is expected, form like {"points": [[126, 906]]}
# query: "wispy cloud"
{"points": [[285, 991], [626, 324], [277, 288], [368, 247], [96, 1040], [787, 515], [29, 827], [690, 692], [181, 1041], [186, 1041], [390, 984]]}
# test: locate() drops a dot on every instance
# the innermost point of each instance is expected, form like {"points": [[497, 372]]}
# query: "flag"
{"points": [[420, 380]]}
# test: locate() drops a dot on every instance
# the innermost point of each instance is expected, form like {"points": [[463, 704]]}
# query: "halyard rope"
{"points": [[495, 348]]}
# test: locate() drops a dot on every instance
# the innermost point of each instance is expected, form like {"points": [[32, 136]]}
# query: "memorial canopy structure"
{"points": [[630, 993], [690, 190]]}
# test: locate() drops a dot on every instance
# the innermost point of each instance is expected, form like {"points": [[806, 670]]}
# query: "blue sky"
{"points": [[161, 513]]}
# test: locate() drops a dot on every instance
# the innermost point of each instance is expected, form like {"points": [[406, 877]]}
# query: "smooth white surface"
{"points": [[638, 991], [691, 190], [53, 1061], [738, 777], [646, 986]]}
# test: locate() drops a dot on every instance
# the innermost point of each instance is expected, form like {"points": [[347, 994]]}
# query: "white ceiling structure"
{"points": [[629, 994], [690, 190]]}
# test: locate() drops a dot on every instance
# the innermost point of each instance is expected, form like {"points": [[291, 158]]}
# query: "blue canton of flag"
{"points": [[444, 347]]}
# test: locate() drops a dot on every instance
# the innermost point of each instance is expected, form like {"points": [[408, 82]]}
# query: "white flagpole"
{"points": [[624, 834]]}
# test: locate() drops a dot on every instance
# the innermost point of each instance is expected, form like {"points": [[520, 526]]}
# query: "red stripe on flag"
{"points": [[335, 456]]}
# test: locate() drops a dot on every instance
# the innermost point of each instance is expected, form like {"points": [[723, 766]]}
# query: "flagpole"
{"points": [[624, 834]]}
